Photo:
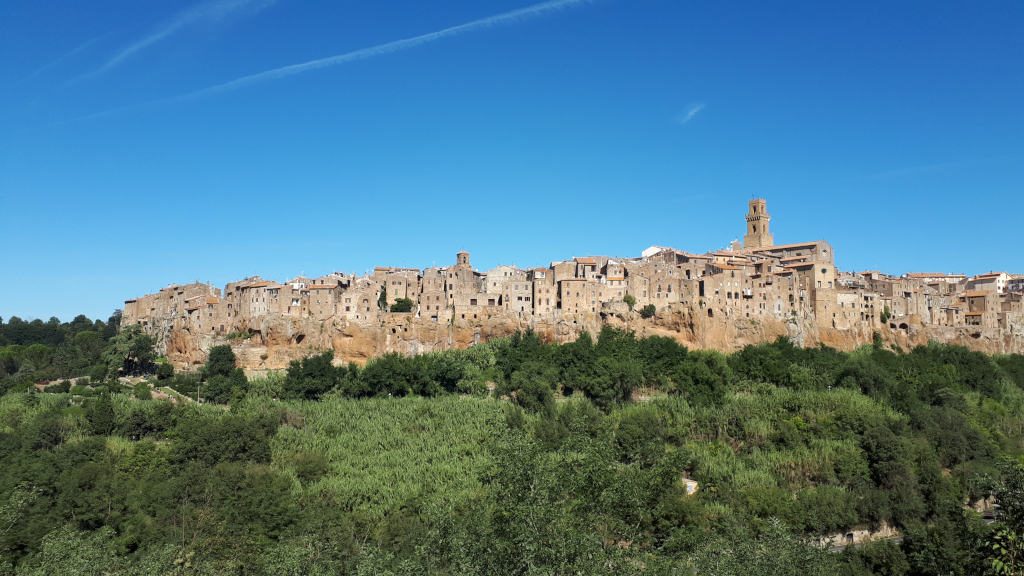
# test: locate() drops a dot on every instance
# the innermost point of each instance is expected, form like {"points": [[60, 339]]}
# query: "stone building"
{"points": [[993, 281], [760, 281], [758, 235], [1016, 284]]}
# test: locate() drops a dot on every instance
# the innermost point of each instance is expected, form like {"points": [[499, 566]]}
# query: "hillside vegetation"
{"points": [[513, 457]]}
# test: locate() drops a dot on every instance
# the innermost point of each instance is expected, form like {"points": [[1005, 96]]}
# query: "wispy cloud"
{"points": [[513, 16], [690, 113], [64, 57], [211, 11], [532, 11]]}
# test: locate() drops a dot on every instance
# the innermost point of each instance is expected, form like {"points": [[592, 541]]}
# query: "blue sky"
{"points": [[133, 154]]}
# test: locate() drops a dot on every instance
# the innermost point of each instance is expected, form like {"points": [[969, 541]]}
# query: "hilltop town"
{"points": [[752, 292]]}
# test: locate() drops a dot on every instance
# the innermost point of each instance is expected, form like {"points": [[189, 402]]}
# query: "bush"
{"points": [[79, 390], [402, 305], [61, 387], [164, 371], [209, 439], [185, 384], [529, 390], [311, 377], [142, 391], [100, 413], [98, 374], [222, 389], [648, 311], [220, 361], [309, 466], [629, 300]]}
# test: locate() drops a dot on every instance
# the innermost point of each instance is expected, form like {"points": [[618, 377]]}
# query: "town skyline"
{"points": [[754, 291], [492, 262], [151, 143]]}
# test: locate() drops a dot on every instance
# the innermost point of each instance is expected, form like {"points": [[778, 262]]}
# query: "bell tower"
{"points": [[758, 233]]}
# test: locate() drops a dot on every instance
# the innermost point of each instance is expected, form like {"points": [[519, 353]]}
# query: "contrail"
{"points": [[389, 47], [361, 54], [210, 11], [67, 55]]}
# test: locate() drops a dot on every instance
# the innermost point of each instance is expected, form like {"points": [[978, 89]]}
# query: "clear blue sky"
{"points": [[130, 158]]}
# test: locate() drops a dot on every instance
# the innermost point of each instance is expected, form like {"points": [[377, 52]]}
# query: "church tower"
{"points": [[758, 234]]}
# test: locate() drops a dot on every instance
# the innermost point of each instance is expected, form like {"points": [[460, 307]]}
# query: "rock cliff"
{"points": [[275, 340]]}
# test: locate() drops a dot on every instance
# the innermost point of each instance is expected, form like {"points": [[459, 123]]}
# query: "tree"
{"points": [[402, 305], [130, 352], [774, 552], [528, 389], [311, 377], [638, 436], [36, 357], [164, 371], [142, 391], [209, 439], [101, 415], [629, 300], [648, 311], [1004, 548], [220, 361], [90, 344], [222, 389], [612, 381], [74, 553]]}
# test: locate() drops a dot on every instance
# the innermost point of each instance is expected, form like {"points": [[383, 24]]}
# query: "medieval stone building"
{"points": [[720, 299]]}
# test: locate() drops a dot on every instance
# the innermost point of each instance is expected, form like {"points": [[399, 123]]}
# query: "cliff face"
{"points": [[276, 340]]}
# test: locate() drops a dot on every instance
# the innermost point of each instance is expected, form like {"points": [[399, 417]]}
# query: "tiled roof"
{"points": [[933, 275]]}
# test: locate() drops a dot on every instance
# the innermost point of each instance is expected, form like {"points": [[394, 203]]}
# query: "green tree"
{"points": [[90, 344], [1004, 547], [220, 361], [209, 439], [311, 377], [775, 552], [71, 552], [101, 415], [648, 311], [630, 301], [528, 389], [36, 357], [164, 371], [130, 352], [402, 305], [142, 391], [612, 381]]}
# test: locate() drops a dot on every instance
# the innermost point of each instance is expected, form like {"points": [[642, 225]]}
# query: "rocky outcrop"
{"points": [[276, 340]]}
